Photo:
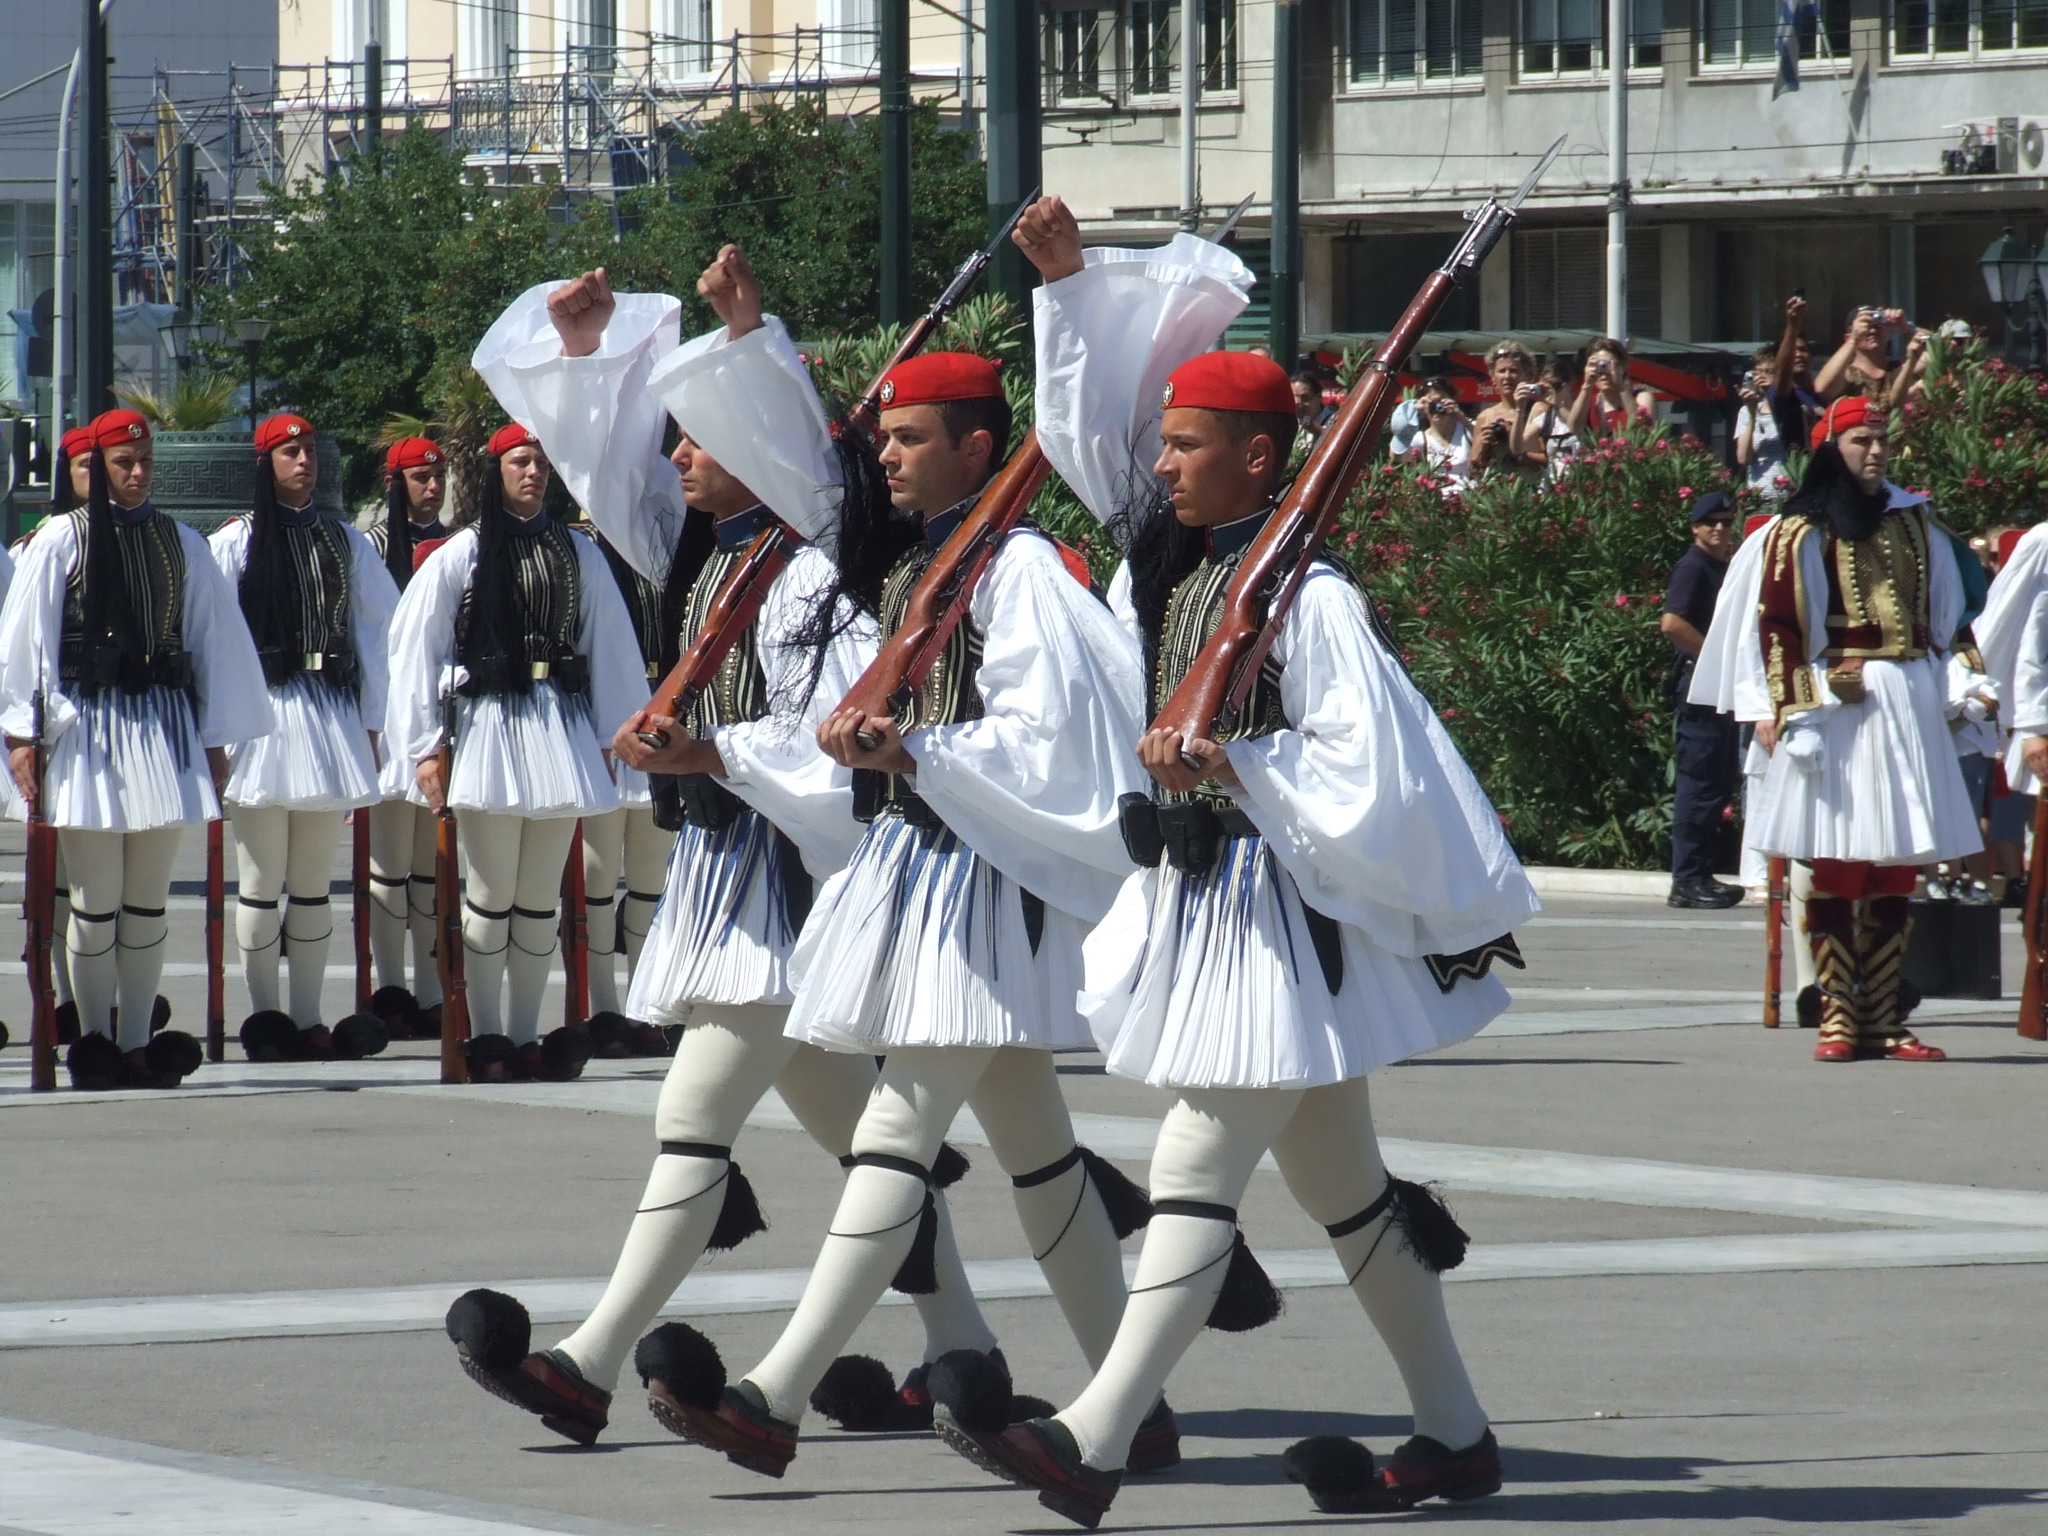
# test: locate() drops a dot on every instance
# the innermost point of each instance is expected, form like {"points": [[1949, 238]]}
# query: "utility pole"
{"points": [[1284, 283], [373, 103], [1014, 165], [95, 222], [1190, 97], [896, 285], [1617, 168]]}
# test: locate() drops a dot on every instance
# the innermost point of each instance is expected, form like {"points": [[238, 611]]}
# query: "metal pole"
{"points": [[373, 101], [251, 348], [1617, 168], [188, 238], [1190, 97], [508, 114], [1013, 151], [1284, 284], [967, 68], [60, 301], [95, 223], [894, 19]]}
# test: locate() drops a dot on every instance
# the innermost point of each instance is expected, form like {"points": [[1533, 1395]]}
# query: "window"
{"points": [[1219, 45], [1561, 37], [1401, 39], [1152, 39], [1078, 44], [853, 38], [487, 28], [1966, 28], [1560, 280], [1744, 33], [684, 30], [1152, 46], [27, 268]]}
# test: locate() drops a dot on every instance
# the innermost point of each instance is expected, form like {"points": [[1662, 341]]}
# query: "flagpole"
{"points": [[1617, 168]]}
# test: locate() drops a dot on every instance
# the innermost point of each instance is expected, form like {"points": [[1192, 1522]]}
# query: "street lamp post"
{"points": [[2013, 275], [251, 332]]}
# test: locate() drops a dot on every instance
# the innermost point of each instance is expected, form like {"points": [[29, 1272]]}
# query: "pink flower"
{"points": [[1685, 493], [1621, 599]]}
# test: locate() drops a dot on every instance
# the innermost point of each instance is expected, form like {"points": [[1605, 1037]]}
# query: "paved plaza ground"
{"points": [[1715, 1286]]}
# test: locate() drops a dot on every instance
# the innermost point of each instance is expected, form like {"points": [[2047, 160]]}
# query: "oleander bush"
{"points": [[1977, 442]]}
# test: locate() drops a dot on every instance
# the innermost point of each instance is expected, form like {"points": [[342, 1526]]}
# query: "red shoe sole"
{"points": [[715, 1432], [523, 1391]]}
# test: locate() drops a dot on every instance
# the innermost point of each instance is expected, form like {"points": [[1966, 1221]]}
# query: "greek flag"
{"points": [[1792, 14]]}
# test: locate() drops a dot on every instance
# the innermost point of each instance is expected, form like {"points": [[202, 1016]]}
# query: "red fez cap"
{"points": [[1754, 521], [511, 436], [2009, 541], [279, 430], [112, 428], [78, 440], [1231, 381], [933, 378], [411, 453], [1849, 411]]}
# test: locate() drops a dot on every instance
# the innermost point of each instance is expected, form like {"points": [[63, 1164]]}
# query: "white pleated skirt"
{"points": [[1887, 790], [534, 755], [1215, 983], [722, 931], [317, 758], [631, 784], [1753, 869], [920, 941], [130, 763]]}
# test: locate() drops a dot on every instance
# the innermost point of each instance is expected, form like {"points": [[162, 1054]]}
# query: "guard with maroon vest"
{"points": [[401, 834], [1321, 893], [951, 943], [318, 602], [122, 647], [1860, 605]]}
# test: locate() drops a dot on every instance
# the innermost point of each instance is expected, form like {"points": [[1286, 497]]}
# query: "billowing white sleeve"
{"points": [[1032, 786], [6, 572], [618, 672], [234, 700], [1729, 675], [422, 653], [1107, 337], [1366, 800], [229, 546], [594, 416], [372, 600], [31, 623], [774, 763], [2006, 620], [1122, 604], [2028, 700], [1945, 596], [752, 405]]}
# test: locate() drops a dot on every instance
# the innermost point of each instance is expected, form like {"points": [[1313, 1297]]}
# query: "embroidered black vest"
{"points": [[379, 535], [153, 564], [643, 606], [549, 581], [317, 555], [738, 694]]}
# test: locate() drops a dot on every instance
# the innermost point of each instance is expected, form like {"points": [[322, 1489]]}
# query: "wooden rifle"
{"points": [[1213, 693], [39, 913], [737, 603], [448, 915], [216, 939], [1776, 878], [359, 870], [2034, 927], [575, 936]]}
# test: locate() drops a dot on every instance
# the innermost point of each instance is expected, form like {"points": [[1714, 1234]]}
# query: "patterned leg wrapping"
{"points": [[1831, 934], [1882, 923]]}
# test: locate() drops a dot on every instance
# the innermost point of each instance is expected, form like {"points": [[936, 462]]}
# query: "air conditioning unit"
{"points": [[2001, 146]]}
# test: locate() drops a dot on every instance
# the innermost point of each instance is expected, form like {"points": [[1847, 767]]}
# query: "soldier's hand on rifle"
{"points": [[1050, 237], [2034, 749], [21, 762], [428, 777], [1165, 754], [580, 311], [681, 753], [839, 739], [733, 292]]}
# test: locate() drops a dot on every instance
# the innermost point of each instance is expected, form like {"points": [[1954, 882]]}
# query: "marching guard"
{"points": [[318, 602], [508, 647], [124, 659], [1331, 887]]}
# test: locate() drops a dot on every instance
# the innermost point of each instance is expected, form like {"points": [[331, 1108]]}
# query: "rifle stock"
{"points": [[216, 939], [939, 600], [360, 875], [2033, 1024], [39, 913], [448, 923], [575, 936]]}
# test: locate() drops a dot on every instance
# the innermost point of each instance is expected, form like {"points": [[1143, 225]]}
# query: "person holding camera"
{"points": [[1708, 741], [1759, 446], [1860, 366], [1608, 403], [1444, 444], [1501, 433]]}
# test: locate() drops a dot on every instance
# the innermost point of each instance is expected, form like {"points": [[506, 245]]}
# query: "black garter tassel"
{"points": [[1427, 1227], [918, 1275], [949, 1167], [1248, 1299], [1129, 1207], [739, 1217]]}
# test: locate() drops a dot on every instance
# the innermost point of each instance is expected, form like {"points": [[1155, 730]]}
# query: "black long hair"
{"points": [[398, 529], [695, 543], [1161, 552], [110, 616], [1829, 495], [497, 617], [271, 580], [62, 497]]}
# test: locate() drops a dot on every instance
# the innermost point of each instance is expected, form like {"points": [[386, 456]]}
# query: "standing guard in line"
{"points": [[765, 813], [512, 643], [123, 651], [318, 603], [401, 834], [1329, 889]]}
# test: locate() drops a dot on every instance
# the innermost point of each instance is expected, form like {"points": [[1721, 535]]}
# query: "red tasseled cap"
{"points": [[1849, 411], [112, 428], [279, 430], [933, 378], [1231, 381], [511, 436], [411, 453], [78, 440]]}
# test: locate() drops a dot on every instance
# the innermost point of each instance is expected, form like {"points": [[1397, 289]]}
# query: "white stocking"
{"points": [[603, 851], [390, 885]]}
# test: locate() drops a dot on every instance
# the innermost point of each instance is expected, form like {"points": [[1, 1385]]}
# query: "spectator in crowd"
{"points": [[1405, 425], [1607, 402], [1309, 408], [1707, 740], [1859, 366], [1445, 442], [1548, 429], [1795, 404], [1501, 432], [1759, 450]]}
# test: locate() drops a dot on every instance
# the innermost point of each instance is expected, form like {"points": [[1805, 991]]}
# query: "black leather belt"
{"points": [[1188, 834]]}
